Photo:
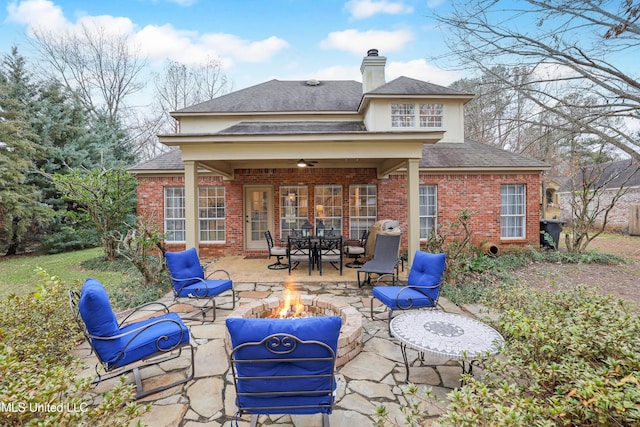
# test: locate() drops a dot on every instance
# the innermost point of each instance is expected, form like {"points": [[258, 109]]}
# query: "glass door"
{"points": [[258, 210]]}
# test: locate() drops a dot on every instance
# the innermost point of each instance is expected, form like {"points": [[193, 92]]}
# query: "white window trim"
{"points": [[523, 230]]}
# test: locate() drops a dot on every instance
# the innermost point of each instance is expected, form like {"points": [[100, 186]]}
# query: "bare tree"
{"points": [[101, 66], [571, 49]]}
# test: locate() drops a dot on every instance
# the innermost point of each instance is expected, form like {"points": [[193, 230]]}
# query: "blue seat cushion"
{"points": [[203, 289], [426, 271], [396, 300], [324, 329], [146, 338], [184, 265], [95, 310]]}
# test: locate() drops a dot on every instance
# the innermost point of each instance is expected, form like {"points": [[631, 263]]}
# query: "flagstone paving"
{"points": [[375, 377]]}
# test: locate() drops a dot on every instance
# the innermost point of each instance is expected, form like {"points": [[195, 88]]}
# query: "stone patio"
{"points": [[374, 377]]}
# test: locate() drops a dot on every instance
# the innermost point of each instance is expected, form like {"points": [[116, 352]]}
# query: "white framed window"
{"points": [[174, 214], [328, 204], [211, 214], [403, 115], [512, 211], [431, 115], [420, 115], [294, 209], [363, 208], [428, 209]]}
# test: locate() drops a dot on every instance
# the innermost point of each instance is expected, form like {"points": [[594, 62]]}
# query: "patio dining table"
{"points": [[445, 335]]}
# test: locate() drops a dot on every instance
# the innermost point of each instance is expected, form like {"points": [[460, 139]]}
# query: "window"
{"points": [[512, 211], [294, 211], [211, 214], [431, 115], [174, 215], [428, 209], [328, 200], [403, 115], [363, 209]]}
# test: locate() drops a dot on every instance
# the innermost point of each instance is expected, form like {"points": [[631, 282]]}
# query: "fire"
{"points": [[292, 305]]}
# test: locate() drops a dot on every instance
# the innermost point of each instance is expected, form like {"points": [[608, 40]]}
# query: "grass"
{"points": [[17, 274]]}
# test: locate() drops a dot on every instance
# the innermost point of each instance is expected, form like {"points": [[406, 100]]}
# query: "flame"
{"points": [[292, 305]]}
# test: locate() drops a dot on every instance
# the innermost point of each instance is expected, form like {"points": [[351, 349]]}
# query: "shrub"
{"points": [[38, 385], [571, 358]]}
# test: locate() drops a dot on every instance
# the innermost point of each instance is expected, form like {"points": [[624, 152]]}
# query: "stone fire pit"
{"points": [[350, 340]]}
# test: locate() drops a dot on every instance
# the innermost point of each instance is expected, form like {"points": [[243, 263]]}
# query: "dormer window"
{"points": [[426, 115]]}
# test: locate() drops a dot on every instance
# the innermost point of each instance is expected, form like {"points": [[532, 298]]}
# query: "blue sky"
{"points": [[255, 40]]}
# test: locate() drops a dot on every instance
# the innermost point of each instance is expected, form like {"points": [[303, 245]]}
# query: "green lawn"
{"points": [[17, 275]]}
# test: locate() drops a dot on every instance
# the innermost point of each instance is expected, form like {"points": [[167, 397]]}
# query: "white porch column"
{"points": [[191, 203], [413, 207]]}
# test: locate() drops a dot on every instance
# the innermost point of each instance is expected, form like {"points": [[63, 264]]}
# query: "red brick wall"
{"points": [[479, 193]]}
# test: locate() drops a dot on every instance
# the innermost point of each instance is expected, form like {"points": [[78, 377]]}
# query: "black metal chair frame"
{"points": [[329, 249], [163, 354], [278, 265], [357, 263], [291, 343], [300, 249], [211, 304], [390, 267]]}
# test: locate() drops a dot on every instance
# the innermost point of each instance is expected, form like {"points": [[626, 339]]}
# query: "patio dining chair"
{"points": [[275, 251], [422, 289], [357, 251], [129, 346], [189, 281], [329, 249], [300, 249], [284, 366], [385, 259]]}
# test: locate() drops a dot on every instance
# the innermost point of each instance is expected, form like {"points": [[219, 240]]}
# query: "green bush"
{"points": [[571, 358], [38, 384]]}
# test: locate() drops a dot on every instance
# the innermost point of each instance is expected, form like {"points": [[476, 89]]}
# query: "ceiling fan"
{"points": [[302, 163]]}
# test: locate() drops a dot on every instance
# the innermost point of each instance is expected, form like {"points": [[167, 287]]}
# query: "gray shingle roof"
{"points": [[302, 127], [408, 86], [282, 96], [441, 155], [471, 154]]}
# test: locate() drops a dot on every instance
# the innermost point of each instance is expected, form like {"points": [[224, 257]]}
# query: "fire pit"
{"points": [[300, 306]]}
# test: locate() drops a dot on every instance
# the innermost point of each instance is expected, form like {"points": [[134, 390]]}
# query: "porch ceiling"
{"points": [[384, 151]]}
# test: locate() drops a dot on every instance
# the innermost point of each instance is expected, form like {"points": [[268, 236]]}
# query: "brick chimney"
{"points": [[372, 70]]}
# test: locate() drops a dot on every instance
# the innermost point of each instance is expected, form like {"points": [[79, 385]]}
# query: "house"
{"points": [[338, 154]]}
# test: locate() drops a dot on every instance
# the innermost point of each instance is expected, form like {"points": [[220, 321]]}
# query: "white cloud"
{"points": [[37, 14], [244, 50], [420, 69], [360, 9], [359, 42]]}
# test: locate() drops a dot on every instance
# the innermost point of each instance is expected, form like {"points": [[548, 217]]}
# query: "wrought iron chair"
{"points": [[275, 251], [385, 259], [300, 249], [284, 366], [329, 249], [357, 252], [189, 281], [422, 289], [129, 346]]}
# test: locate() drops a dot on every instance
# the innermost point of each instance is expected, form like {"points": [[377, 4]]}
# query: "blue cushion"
{"points": [[324, 329], [408, 298], [145, 338], [184, 265], [427, 270], [207, 288], [95, 310]]}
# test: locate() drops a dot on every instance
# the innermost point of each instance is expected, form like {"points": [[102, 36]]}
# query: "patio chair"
{"points": [[275, 251], [300, 249], [329, 250], [284, 366], [189, 281], [356, 251], [385, 259], [422, 289], [129, 346]]}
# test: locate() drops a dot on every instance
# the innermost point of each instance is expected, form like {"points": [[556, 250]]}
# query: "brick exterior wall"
{"points": [[479, 193]]}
